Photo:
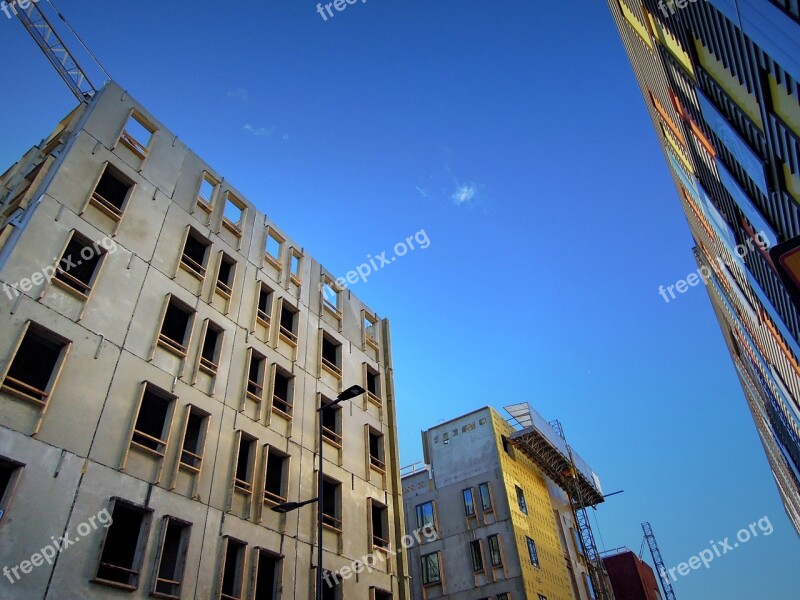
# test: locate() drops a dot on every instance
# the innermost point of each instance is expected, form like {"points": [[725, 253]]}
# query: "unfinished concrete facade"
{"points": [[158, 391], [503, 529]]}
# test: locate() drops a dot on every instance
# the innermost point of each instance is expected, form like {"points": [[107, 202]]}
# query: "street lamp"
{"points": [[348, 394]]}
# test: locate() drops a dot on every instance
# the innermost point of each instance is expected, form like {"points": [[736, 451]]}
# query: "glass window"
{"points": [[534, 555], [494, 551], [469, 504], [477, 555], [521, 500], [486, 496], [431, 572], [425, 515]]}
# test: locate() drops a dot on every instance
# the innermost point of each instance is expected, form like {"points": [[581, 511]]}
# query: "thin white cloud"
{"points": [[422, 192], [239, 93], [259, 131], [464, 193]]}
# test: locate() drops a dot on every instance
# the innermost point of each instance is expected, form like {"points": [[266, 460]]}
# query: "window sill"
{"points": [[104, 206], [332, 369], [332, 310], [193, 271], [115, 584], [130, 142], [70, 288], [23, 396], [281, 413], [232, 227], [292, 341], [275, 262], [172, 346]]}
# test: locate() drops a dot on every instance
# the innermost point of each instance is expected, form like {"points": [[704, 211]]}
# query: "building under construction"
{"points": [[504, 503]]}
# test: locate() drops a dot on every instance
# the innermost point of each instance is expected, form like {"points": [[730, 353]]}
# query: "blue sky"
{"points": [[514, 134]]}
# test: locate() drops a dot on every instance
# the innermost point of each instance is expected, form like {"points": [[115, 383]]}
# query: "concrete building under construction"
{"points": [[503, 500], [164, 347]]}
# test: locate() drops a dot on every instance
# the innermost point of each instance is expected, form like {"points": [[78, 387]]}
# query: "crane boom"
{"points": [[649, 536], [46, 37]]}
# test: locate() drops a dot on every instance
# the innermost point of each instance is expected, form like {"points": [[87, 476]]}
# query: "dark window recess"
{"points": [[244, 464], [265, 304], [74, 268], [331, 353], [331, 421], [255, 376], [273, 483], [33, 366], [477, 555], [8, 475], [120, 559], [331, 587], [232, 573], [173, 555], [192, 452], [330, 504], [209, 356], [175, 326], [289, 322], [267, 576], [376, 449], [282, 399], [373, 383], [195, 253], [112, 191], [227, 272], [151, 422], [380, 526], [381, 595]]}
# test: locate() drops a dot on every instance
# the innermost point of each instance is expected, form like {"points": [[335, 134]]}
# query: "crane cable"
{"points": [[75, 33]]}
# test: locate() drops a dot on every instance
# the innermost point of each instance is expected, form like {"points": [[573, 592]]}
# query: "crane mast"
{"points": [[649, 536]]}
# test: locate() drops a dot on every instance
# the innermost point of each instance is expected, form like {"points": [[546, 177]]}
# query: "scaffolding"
{"points": [[544, 443]]}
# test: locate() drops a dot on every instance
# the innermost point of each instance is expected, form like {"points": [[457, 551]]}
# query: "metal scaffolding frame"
{"points": [[544, 443]]}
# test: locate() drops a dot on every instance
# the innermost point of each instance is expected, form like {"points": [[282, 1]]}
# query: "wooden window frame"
{"points": [[44, 395], [186, 531], [73, 285], [208, 366], [275, 261], [180, 349], [208, 206], [325, 364], [16, 468], [334, 522], [258, 553], [201, 446], [384, 544], [225, 289], [327, 305], [263, 318], [290, 337], [141, 543], [195, 269], [131, 142], [376, 399], [370, 340], [286, 402], [241, 570], [234, 228], [332, 437], [260, 386], [294, 277], [240, 485], [268, 497], [376, 463], [105, 206], [166, 428]]}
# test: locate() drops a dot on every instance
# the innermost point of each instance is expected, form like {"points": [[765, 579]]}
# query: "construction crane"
{"points": [[650, 538], [56, 51]]}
